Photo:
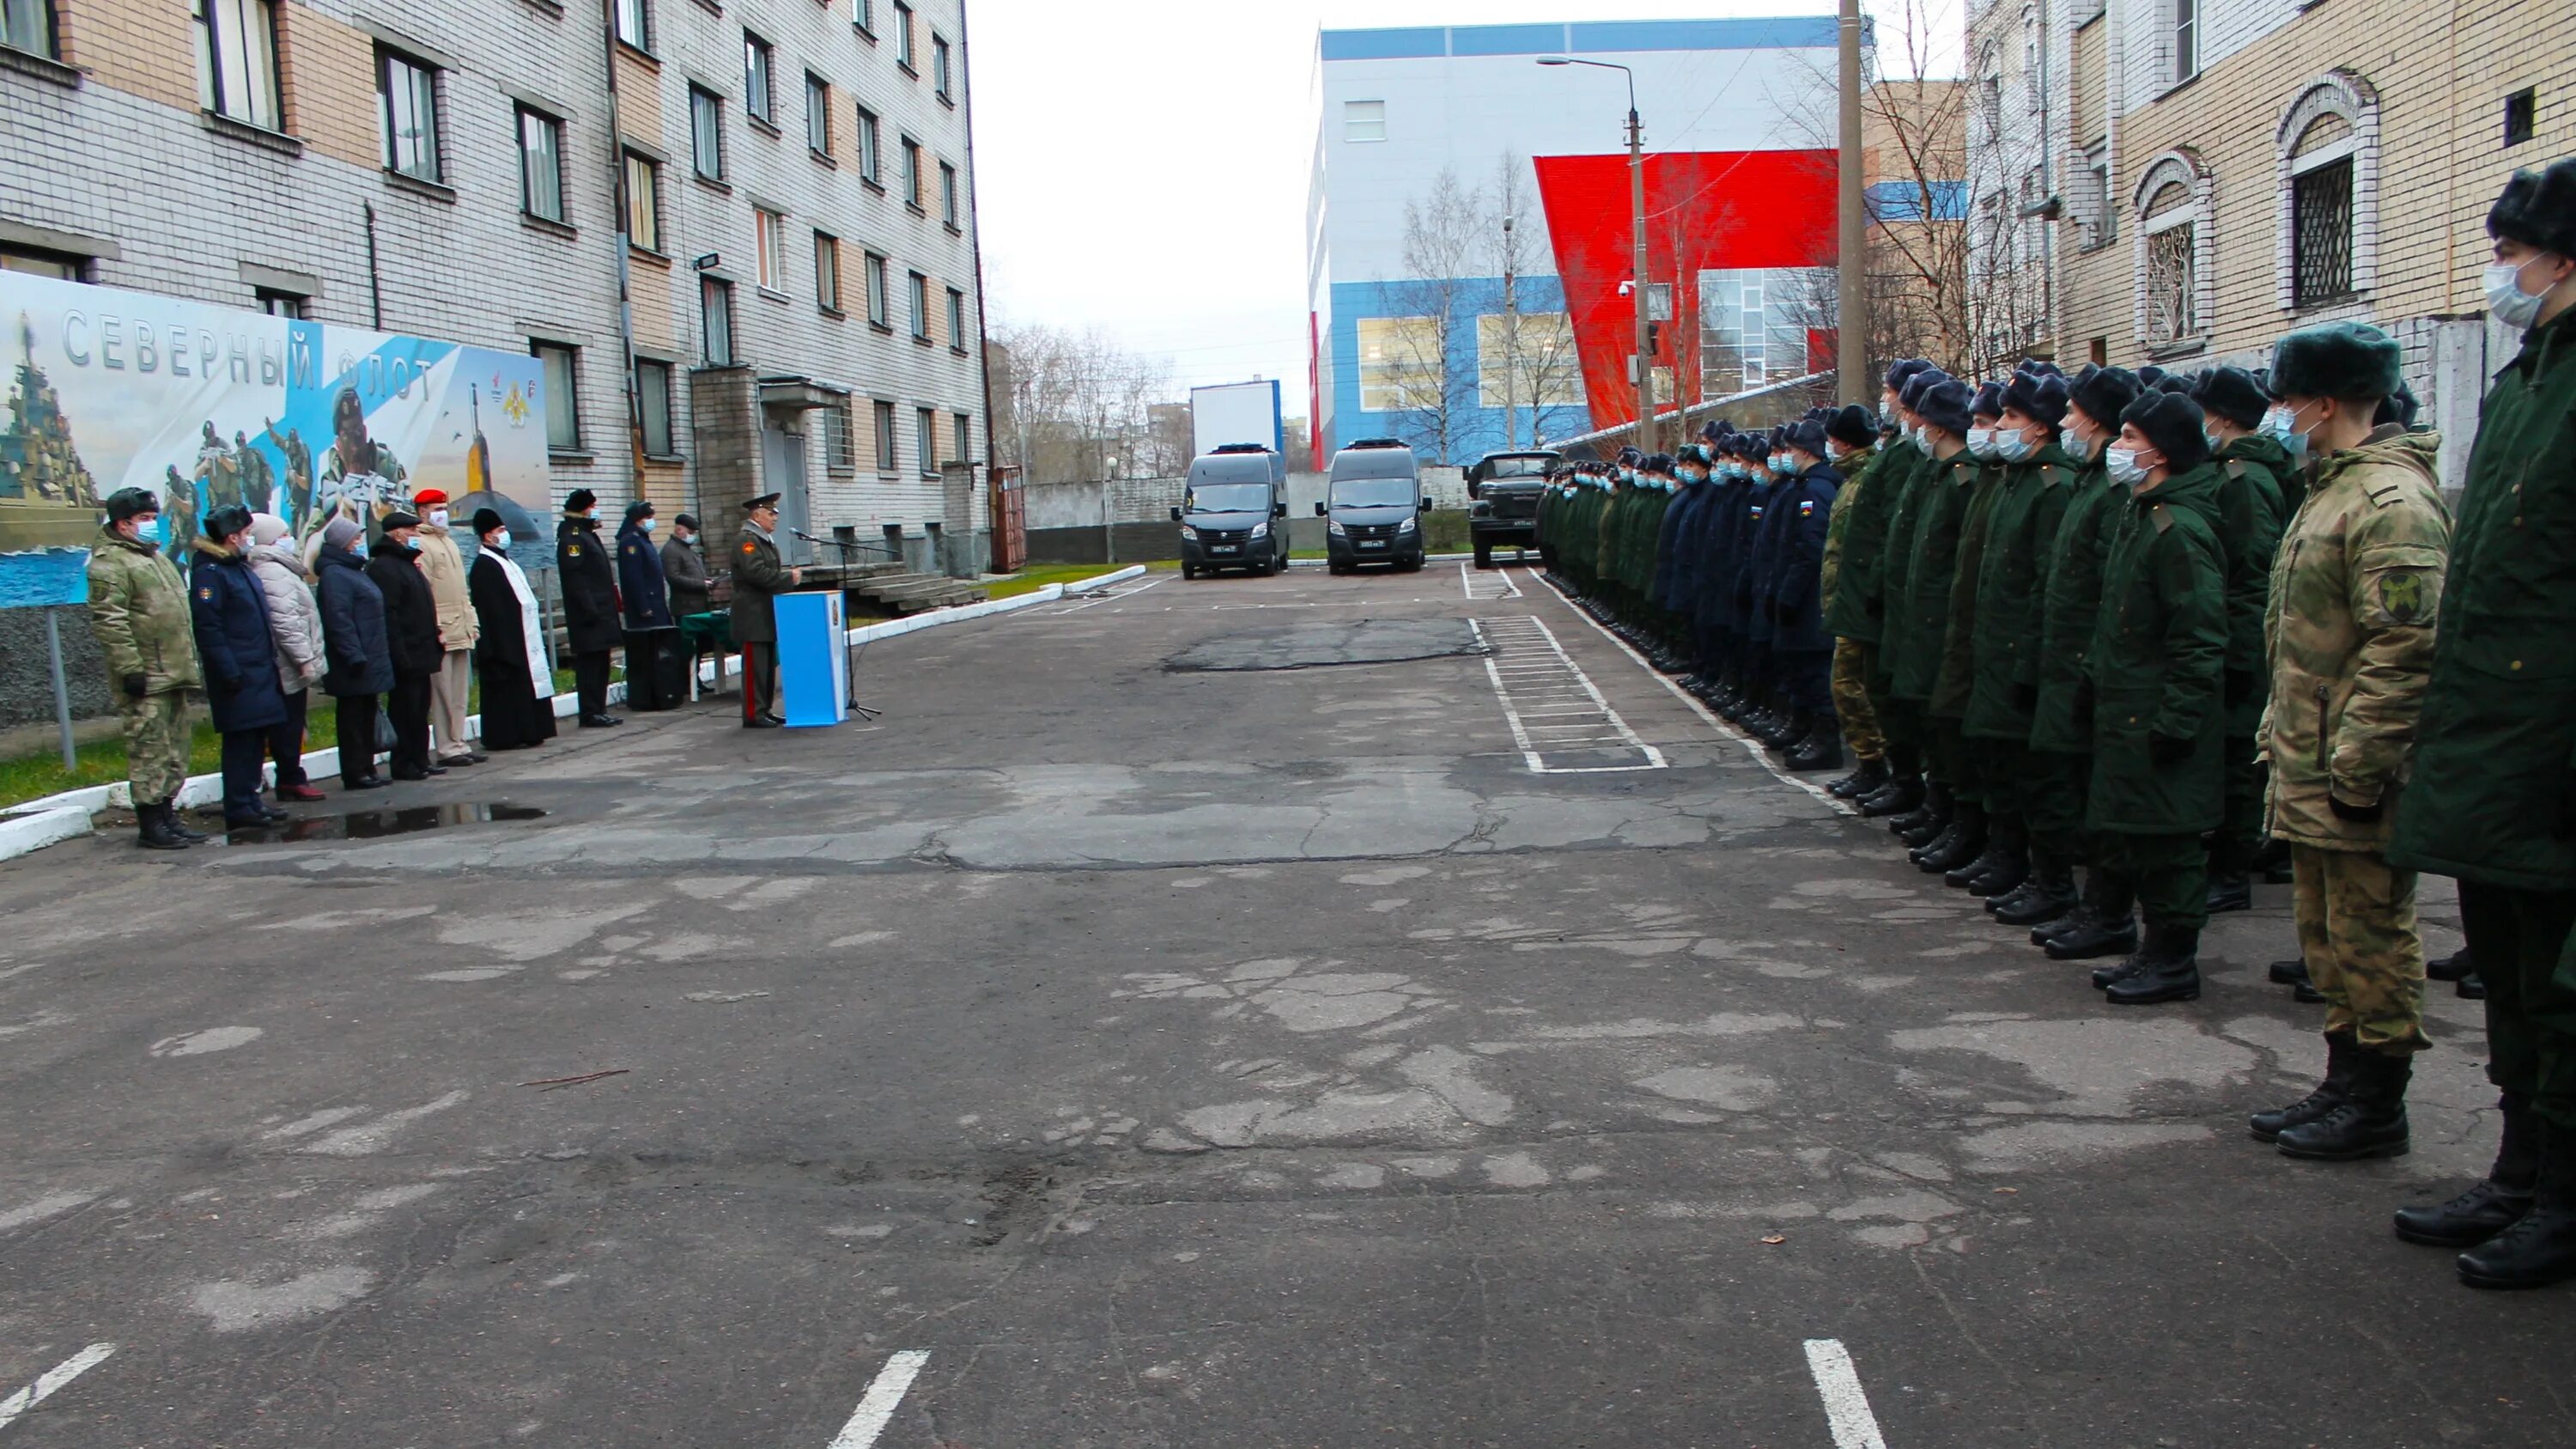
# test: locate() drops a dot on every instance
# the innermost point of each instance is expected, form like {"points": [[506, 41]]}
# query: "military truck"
{"points": [[1504, 490]]}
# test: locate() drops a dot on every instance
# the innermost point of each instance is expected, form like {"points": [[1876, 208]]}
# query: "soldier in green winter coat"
{"points": [[1851, 438], [139, 611], [2348, 641], [2010, 580], [2253, 516], [1906, 797], [2492, 800], [2159, 654], [2061, 720], [1975, 860], [1918, 615]]}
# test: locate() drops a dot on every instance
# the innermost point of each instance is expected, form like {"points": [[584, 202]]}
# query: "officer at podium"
{"points": [[758, 578]]}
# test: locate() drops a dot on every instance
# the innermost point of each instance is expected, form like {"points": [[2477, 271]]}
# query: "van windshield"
{"points": [[1517, 467], [1373, 493], [1227, 498]]}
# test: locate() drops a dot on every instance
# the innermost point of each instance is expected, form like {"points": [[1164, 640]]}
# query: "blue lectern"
{"points": [[813, 660]]}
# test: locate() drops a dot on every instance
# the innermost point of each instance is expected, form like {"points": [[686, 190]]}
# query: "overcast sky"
{"points": [[1142, 164]]}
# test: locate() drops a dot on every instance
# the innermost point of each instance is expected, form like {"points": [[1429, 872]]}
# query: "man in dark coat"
{"points": [[411, 639], [230, 612], [2159, 650], [1800, 645], [2252, 518], [2492, 801], [588, 579], [1925, 562], [684, 568], [654, 678], [509, 653], [359, 657], [758, 578]]}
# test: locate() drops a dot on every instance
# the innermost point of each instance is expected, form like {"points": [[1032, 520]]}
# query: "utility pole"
{"points": [[1851, 286], [1511, 340], [1643, 288]]}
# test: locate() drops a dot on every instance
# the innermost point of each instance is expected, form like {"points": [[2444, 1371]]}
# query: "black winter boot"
{"points": [[2230, 891], [1967, 841], [2497, 1201], [1861, 783], [152, 828], [1932, 808], [2105, 927], [2168, 969], [2455, 967], [2341, 1053], [1822, 749], [1901, 795], [2371, 1120], [177, 824], [2048, 895], [2471, 987], [2540, 1248]]}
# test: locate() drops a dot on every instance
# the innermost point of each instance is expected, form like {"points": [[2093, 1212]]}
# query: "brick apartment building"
{"points": [[2218, 172], [766, 206]]}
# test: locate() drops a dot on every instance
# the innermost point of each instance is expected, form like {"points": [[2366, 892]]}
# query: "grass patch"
{"points": [[1037, 576]]}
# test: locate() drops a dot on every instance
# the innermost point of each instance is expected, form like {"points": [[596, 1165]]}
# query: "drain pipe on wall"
{"points": [[375, 278], [625, 274], [975, 243]]}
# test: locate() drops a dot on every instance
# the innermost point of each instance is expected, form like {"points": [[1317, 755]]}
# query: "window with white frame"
{"points": [[840, 449], [956, 321], [871, 164], [237, 61], [863, 14], [635, 24], [925, 431], [912, 174], [2172, 268], [1363, 120], [561, 370], [881, 420], [948, 204], [2101, 212], [1526, 360], [920, 307], [408, 90], [706, 134], [1752, 331], [541, 189], [827, 271], [770, 231], [818, 114], [2327, 148], [876, 281], [759, 93], [1401, 363], [28, 25], [939, 77], [904, 54], [961, 434], [643, 202], [653, 406], [2183, 54], [715, 320]]}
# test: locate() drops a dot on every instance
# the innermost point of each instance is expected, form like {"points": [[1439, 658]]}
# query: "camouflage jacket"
{"points": [[2355, 592], [138, 609], [1856, 467], [1858, 609]]}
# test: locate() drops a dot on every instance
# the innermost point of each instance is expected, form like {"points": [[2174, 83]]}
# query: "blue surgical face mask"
{"points": [[154, 530], [2124, 467], [2280, 424], [2012, 445]]}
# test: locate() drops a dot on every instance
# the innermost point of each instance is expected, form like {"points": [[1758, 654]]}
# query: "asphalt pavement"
{"points": [[1307, 1011]]}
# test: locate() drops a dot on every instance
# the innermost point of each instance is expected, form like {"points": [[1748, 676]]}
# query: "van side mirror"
{"points": [[1426, 503], [1322, 510], [1279, 510], [1176, 514]]}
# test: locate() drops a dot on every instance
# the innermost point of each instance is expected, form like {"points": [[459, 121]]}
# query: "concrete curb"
{"points": [[38, 823]]}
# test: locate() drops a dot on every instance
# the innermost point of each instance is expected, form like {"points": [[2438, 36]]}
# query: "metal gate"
{"points": [[1010, 505]]}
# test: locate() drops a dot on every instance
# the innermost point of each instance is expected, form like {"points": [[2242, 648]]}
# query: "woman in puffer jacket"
{"points": [[295, 623]]}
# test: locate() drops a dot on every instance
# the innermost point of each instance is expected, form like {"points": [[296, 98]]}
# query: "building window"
{"points": [[279, 304], [653, 406], [871, 166], [2321, 233], [957, 321], [882, 418], [2030, 64], [236, 60], [961, 431], [877, 311], [863, 14], [2521, 116], [2101, 215], [2173, 269], [30, 262], [939, 67], [920, 308], [643, 202], [903, 47], [912, 173], [1990, 102], [769, 231], [563, 396], [706, 134], [409, 89], [2328, 198], [635, 24], [540, 165], [28, 25], [2186, 40], [840, 450], [827, 271], [1527, 359], [1752, 327], [1400, 363], [715, 320], [759, 100], [1363, 120], [925, 428], [818, 114], [948, 206]]}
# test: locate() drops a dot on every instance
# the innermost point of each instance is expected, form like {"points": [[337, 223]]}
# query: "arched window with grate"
{"points": [[2174, 284], [2327, 163]]}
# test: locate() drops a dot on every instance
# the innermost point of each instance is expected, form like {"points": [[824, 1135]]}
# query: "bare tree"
{"points": [[1434, 317], [1076, 406], [1542, 376]]}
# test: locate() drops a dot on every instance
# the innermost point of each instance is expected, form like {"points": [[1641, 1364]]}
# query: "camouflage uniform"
{"points": [[1851, 671], [2348, 635], [138, 609]]}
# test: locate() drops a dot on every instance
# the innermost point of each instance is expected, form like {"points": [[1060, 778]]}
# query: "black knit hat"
{"points": [[1989, 401], [485, 520], [2231, 393], [2401, 407], [580, 500], [686, 520], [1944, 405], [1852, 427], [1911, 394], [1807, 436], [2338, 360], [1903, 372], [2037, 396], [2173, 423], [226, 521], [127, 503], [2538, 209], [2102, 396]]}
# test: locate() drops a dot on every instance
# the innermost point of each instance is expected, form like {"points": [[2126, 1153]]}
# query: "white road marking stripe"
{"points": [[877, 1406], [16, 1405], [1467, 583], [1108, 595], [1542, 672], [1846, 1407]]}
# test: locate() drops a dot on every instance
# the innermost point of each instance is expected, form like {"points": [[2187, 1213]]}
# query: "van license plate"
{"points": [[1372, 543], [1223, 548]]}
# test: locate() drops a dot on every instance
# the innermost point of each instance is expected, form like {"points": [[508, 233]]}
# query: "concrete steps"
{"points": [[891, 586]]}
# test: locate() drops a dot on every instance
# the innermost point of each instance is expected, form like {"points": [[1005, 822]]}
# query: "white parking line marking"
{"points": [[1527, 665], [16, 1405], [1107, 595], [1846, 1407], [876, 1407], [1467, 583]]}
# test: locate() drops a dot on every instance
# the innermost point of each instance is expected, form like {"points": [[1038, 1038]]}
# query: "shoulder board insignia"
{"points": [[205, 593], [2236, 469], [2162, 517], [2057, 473], [572, 550]]}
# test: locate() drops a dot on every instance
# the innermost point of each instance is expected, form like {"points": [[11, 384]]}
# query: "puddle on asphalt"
{"points": [[377, 824]]}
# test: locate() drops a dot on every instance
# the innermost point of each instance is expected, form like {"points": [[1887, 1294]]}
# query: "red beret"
{"points": [[428, 496]]}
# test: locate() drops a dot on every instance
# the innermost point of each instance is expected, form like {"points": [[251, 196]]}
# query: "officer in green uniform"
{"points": [[2249, 507], [2348, 637], [1918, 613], [758, 578], [2159, 651], [1994, 866], [1912, 806], [2492, 800], [138, 609]]}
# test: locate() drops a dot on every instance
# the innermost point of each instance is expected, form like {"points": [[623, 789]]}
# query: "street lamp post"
{"points": [[1643, 288]]}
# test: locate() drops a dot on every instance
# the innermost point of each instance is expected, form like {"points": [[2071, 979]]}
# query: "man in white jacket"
{"points": [[457, 630], [295, 624]]}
